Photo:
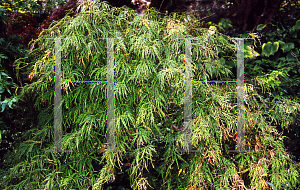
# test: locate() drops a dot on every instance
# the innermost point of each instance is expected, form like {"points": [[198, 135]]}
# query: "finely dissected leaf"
{"points": [[149, 104]]}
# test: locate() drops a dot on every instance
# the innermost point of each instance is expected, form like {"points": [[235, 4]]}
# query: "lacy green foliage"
{"points": [[149, 97]]}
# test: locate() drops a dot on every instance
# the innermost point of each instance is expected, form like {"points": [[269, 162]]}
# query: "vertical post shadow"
{"points": [[110, 136], [240, 98], [188, 99], [57, 100]]}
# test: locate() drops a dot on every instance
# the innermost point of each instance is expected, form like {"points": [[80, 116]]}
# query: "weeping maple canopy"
{"points": [[149, 103]]}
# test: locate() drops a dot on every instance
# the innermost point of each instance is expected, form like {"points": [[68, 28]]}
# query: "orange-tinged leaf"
{"points": [[31, 75], [209, 160], [192, 188]]}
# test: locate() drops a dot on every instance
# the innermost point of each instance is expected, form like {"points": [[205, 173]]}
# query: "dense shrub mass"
{"points": [[19, 24], [149, 104]]}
